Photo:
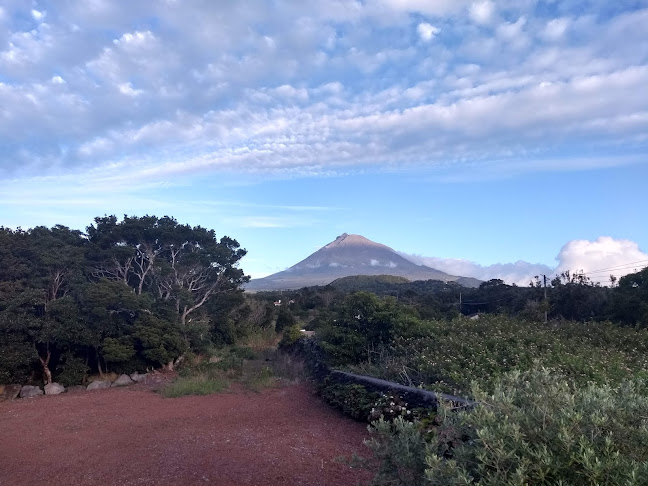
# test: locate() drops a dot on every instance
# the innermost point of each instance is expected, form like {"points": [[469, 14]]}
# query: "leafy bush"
{"points": [[539, 428], [391, 407], [290, 336], [354, 400], [447, 356], [243, 352], [71, 370], [285, 319], [399, 451]]}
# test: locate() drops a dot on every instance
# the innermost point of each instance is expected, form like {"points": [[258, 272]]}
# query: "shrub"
{"points": [[243, 352], [538, 428], [71, 370], [448, 356], [291, 335], [391, 407], [285, 319], [354, 400], [399, 450]]}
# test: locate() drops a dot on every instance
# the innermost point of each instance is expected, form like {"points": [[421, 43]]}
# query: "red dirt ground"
{"points": [[133, 436]]}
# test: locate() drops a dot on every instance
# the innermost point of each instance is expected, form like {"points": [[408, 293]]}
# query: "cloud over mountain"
{"points": [[597, 259]]}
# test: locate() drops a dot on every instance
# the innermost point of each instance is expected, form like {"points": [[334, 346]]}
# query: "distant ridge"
{"points": [[350, 255]]}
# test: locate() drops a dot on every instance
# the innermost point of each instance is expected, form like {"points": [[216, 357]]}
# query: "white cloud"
{"points": [[436, 7], [511, 30], [556, 29], [519, 273], [482, 11], [426, 31], [597, 259], [37, 15], [601, 258], [230, 87], [128, 90]]}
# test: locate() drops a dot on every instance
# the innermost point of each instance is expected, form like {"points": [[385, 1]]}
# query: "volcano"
{"points": [[350, 255]]}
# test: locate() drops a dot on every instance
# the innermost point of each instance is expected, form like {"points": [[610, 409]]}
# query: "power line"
{"points": [[622, 266]]}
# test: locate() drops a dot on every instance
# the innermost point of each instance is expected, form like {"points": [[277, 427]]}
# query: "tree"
{"points": [[129, 293], [178, 263], [285, 319]]}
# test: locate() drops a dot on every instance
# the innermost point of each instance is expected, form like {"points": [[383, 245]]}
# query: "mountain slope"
{"points": [[346, 256]]}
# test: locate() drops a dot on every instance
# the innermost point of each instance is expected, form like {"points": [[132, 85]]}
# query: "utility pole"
{"points": [[545, 295]]}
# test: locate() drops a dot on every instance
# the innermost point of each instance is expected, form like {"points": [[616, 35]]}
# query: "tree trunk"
{"points": [[101, 375], [171, 365], [46, 370]]}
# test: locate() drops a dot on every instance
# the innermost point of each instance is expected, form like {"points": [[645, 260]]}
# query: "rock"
{"points": [[29, 391], [9, 392], [76, 388], [136, 377], [98, 384], [123, 380], [54, 389]]}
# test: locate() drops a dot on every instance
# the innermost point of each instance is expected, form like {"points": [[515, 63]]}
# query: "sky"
{"points": [[499, 139]]}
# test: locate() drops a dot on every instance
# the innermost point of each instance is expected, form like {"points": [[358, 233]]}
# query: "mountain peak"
{"points": [[346, 239], [345, 256]]}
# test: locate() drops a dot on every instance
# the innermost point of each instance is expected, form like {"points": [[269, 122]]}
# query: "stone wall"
{"points": [[415, 397]]}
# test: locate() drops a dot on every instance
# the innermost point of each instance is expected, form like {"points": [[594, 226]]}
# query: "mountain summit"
{"points": [[351, 255]]}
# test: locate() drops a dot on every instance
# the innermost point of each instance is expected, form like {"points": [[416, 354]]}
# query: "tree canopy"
{"points": [[125, 295]]}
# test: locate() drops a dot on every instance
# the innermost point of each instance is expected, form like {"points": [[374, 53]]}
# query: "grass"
{"points": [[257, 380], [201, 384], [288, 367], [255, 369], [261, 340]]}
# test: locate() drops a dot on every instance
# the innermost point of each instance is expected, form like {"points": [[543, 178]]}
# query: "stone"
{"points": [[123, 380], [76, 388], [98, 384], [29, 391], [9, 392], [54, 389], [136, 377]]}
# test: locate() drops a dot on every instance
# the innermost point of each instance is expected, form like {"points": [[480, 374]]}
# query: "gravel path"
{"points": [[133, 436]]}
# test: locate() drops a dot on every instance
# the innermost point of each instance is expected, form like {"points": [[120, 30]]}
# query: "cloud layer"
{"points": [[142, 91], [596, 259]]}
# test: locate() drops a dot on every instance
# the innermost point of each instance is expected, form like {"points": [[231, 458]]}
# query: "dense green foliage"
{"points": [[126, 295], [536, 427], [569, 296], [354, 400], [562, 402], [447, 356]]}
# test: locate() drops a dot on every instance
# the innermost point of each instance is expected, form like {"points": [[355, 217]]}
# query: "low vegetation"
{"points": [[562, 401], [447, 356], [254, 369], [536, 427]]}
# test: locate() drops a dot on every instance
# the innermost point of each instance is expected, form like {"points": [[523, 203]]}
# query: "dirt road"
{"points": [[133, 436]]}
